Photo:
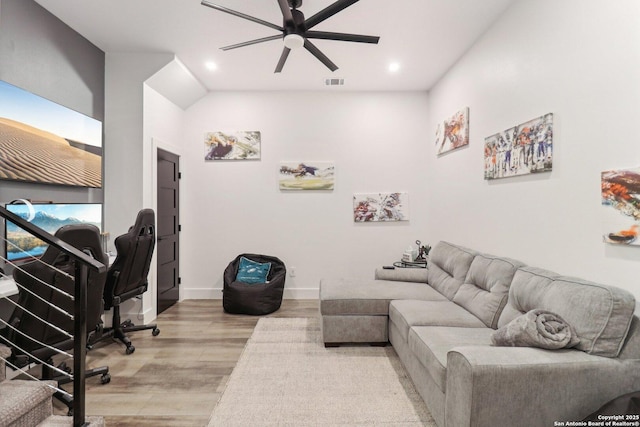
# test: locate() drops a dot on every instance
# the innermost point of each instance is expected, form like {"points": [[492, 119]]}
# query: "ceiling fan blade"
{"points": [[321, 56], [241, 15], [328, 12], [250, 42], [342, 37], [286, 12], [283, 59]]}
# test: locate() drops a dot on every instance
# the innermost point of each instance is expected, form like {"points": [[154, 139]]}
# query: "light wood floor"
{"points": [[176, 378]]}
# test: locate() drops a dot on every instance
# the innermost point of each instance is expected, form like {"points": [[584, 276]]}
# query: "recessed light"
{"points": [[394, 67], [211, 66]]}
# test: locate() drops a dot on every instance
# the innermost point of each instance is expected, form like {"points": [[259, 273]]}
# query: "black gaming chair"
{"points": [[28, 332], [127, 276]]}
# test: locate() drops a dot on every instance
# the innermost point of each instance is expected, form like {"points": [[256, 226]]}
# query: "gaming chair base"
{"points": [[120, 331]]}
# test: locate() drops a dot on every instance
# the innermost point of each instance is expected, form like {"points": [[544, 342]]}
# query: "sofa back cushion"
{"points": [[600, 314], [448, 267], [486, 288]]}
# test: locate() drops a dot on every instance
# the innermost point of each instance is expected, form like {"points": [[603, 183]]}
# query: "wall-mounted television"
{"points": [[50, 217], [44, 142]]}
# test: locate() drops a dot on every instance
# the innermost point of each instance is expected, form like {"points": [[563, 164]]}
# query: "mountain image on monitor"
{"points": [[49, 217]]}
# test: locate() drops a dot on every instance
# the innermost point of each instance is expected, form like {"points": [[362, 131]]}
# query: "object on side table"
{"points": [[423, 251]]}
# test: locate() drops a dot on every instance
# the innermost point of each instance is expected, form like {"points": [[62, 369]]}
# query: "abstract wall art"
{"points": [[453, 133], [240, 145], [621, 206], [520, 150], [44, 142], [306, 176], [376, 207]]}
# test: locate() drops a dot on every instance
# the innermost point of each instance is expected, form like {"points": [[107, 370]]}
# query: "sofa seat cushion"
{"points": [[486, 288], [600, 314], [430, 345], [407, 313], [368, 296]]}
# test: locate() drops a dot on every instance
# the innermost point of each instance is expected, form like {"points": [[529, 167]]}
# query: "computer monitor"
{"points": [[19, 244]]}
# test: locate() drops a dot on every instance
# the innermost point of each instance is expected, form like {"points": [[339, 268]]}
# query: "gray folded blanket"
{"points": [[536, 328]]}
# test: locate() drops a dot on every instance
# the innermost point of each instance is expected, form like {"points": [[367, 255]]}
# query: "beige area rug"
{"points": [[286, 377]]}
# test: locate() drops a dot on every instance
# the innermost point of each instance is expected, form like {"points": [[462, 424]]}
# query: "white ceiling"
{"points": [[425, 37]]}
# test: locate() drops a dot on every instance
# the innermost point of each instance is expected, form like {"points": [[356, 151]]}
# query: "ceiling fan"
{"points": [[296, 30]]}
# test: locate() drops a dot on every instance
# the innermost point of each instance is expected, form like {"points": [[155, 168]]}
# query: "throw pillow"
{"points": [[536, 328], [252, 272]]}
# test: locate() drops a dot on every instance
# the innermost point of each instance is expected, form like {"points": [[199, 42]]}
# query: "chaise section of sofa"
{"points": [[356, 311]]}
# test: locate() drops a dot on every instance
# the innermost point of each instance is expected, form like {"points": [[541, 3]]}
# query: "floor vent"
{"points": [[334, 82]]}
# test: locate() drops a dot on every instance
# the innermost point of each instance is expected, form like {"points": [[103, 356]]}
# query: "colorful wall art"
{"points": [[621, 206], [306, 176], [43, 142], [374, 207], [241, 145], [520, 150], [454, 132]]}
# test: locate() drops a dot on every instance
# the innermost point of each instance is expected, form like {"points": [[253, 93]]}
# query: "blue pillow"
{"points": [[252, 272]]}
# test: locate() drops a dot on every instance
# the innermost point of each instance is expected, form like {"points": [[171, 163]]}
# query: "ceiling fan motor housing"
{"points": [[297, 26], [293, 4]]}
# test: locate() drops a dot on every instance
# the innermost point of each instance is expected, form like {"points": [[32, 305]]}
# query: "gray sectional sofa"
{"points": [[441, 322]]}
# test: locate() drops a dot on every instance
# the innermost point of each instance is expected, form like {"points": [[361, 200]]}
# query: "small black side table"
{"points": [[410, 264]]}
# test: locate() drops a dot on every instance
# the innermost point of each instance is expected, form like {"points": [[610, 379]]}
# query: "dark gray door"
{"points": [[168, 228]]}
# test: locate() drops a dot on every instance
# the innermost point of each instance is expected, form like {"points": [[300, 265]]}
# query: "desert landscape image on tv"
{"points": [[44, 142]]}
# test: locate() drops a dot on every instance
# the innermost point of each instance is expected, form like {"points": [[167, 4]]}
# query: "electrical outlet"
{"points": [[292, 272]]}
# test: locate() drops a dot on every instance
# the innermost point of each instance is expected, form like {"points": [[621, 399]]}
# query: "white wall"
{"points": [[581, 61], [163, 124], [124, 141], [378, 142], [127, 153]]}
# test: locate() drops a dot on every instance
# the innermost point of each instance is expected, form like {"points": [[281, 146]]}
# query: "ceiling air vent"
{"points": [[334, 82]]}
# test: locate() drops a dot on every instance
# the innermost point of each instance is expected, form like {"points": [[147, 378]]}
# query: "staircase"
{"points": [[23, 403], [29, 403]]}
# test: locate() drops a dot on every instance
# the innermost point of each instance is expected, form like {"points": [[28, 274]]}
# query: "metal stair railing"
{"points": [[83, 264]]}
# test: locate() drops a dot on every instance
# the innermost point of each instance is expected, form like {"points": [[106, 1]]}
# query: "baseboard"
{"points": [[209, 293], [137, 317]]}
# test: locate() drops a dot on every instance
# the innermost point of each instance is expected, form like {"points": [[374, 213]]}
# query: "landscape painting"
{"points": [[621, 206], [520, 150], [376, 207], [453, 133], [306, 176], [240, 145], [43, 142]]}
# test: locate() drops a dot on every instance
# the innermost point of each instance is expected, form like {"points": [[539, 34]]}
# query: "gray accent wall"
{"points": [[43, 55]]}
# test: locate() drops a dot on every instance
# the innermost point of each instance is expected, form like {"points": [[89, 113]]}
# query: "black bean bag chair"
{"points": [[239, 297]]}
